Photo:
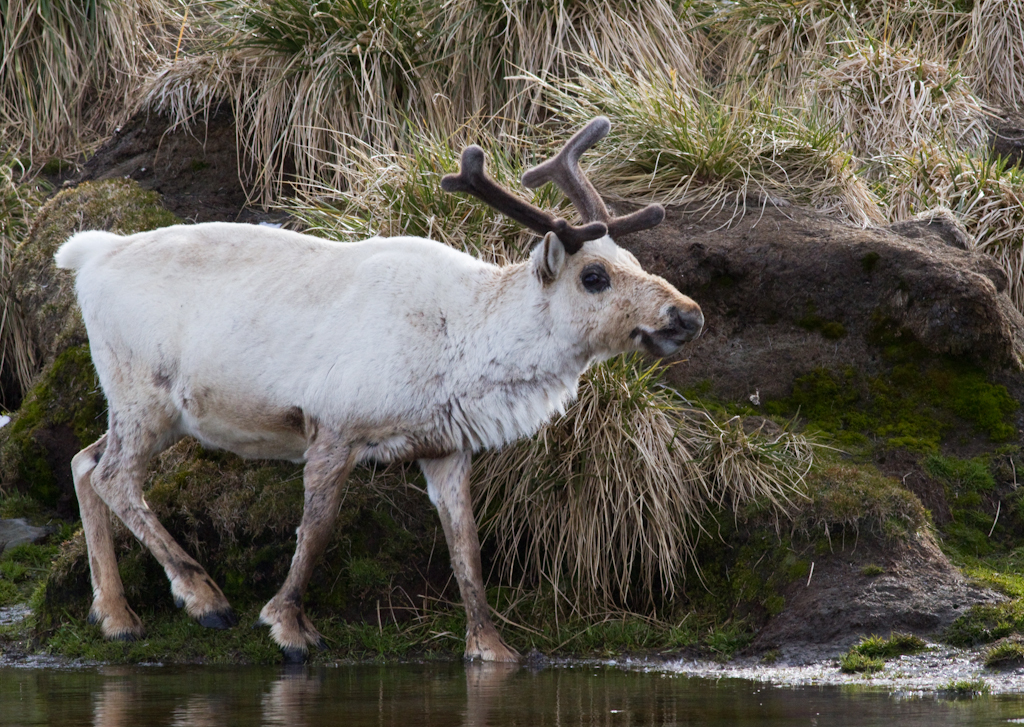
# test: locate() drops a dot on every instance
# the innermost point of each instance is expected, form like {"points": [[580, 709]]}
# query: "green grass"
{"points": [[1006, 655], [896, 645], [965, 688], [856, 663]]}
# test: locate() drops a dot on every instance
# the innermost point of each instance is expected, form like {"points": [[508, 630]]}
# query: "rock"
{"points": [[17, 531], [867, 589], [785, 292]]}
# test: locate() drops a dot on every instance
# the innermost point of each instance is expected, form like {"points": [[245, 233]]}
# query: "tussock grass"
{"points": [[995, 53], [306, 79], [682, 144], [776, 44], [16, 202], [604, 505], [886, 99], [399, 193], [70, 70]]}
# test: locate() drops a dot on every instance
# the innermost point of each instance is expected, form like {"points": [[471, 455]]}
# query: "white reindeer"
{"points": [[273, 344]]}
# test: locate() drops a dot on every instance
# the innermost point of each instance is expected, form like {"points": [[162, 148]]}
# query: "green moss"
{"points": [[858, 499], [871, 570], [63, 412], [832, 330], [918, 403], [869, 261], [9, 593], [968, 484]]}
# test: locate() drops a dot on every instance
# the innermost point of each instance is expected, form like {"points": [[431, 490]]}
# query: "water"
{"points": [[448, 695]]}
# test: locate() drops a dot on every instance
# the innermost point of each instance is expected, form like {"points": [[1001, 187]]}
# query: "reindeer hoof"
{"points": [[220, 620], [295, 656]]}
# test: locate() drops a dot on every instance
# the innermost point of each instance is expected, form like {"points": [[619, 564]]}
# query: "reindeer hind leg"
{"points": [[117, 480], [110, 609]]}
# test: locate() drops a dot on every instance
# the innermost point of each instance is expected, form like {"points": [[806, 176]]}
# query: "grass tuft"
{"points": [[681, 143], [1008, 654], [604, 504]]}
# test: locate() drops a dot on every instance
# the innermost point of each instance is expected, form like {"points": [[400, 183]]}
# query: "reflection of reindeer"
{"points": [[287, 701], [269, 343], [484, 683]]}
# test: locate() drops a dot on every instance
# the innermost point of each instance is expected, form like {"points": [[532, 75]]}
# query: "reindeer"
{"points": [[273, 344]]}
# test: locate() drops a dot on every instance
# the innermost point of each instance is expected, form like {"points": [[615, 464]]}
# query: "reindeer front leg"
{"points": [[448, 488], [328, 463]]}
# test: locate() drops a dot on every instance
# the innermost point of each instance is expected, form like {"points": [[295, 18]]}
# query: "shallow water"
{"points": [[452, 694]]}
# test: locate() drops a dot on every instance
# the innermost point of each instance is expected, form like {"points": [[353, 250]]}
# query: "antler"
{"points": [[473, 180], [564, 170]]}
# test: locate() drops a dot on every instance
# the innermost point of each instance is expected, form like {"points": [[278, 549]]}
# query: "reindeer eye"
{"points": [[595, 278]]}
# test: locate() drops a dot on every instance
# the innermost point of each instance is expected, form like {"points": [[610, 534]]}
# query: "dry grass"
{"points": [[70, 70], [308, 79], [604, 505], [995, 54], [986, 195], [400, 194], [887, 99], [682, 144], [776, 44]]}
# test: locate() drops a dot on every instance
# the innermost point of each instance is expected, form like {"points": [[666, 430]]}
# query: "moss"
{"points": [[871, 570], [63, 412], [832, 330], [858, 499], [915, 405]]}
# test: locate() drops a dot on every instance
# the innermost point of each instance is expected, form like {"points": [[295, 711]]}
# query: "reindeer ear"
{"points": [[548, 258]]}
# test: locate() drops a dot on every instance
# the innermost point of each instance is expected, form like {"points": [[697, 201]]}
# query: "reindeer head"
{"points": [[595, 286]]}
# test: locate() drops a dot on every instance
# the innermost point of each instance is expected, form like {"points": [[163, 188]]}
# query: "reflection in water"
{"points": [[447, 694], [484, 684], [291, 697]]}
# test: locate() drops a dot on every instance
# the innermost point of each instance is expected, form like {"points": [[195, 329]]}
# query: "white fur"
{"points": [[401, 342]]}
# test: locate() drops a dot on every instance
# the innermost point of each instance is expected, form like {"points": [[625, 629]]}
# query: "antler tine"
{"points": [[564, 170], [472, 179]]}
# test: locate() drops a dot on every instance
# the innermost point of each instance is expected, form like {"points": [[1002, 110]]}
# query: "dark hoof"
{"points": [[126, 637], [179, 602], [218, 619], [92, 619], [295, 656]]}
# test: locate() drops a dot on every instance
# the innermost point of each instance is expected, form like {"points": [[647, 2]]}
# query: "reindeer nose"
{"points": [[689, 322]]}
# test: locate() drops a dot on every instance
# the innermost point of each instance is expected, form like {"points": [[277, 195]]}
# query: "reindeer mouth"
{"points": [[683, 326]]}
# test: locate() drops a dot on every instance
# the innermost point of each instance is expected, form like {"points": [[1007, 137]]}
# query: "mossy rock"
{"points": [[45, 295], [64, 410], [62, 413], [238, 519]]}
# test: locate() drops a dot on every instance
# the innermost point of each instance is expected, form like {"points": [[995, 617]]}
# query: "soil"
{"points": [[195, 170], [767, 283]]}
